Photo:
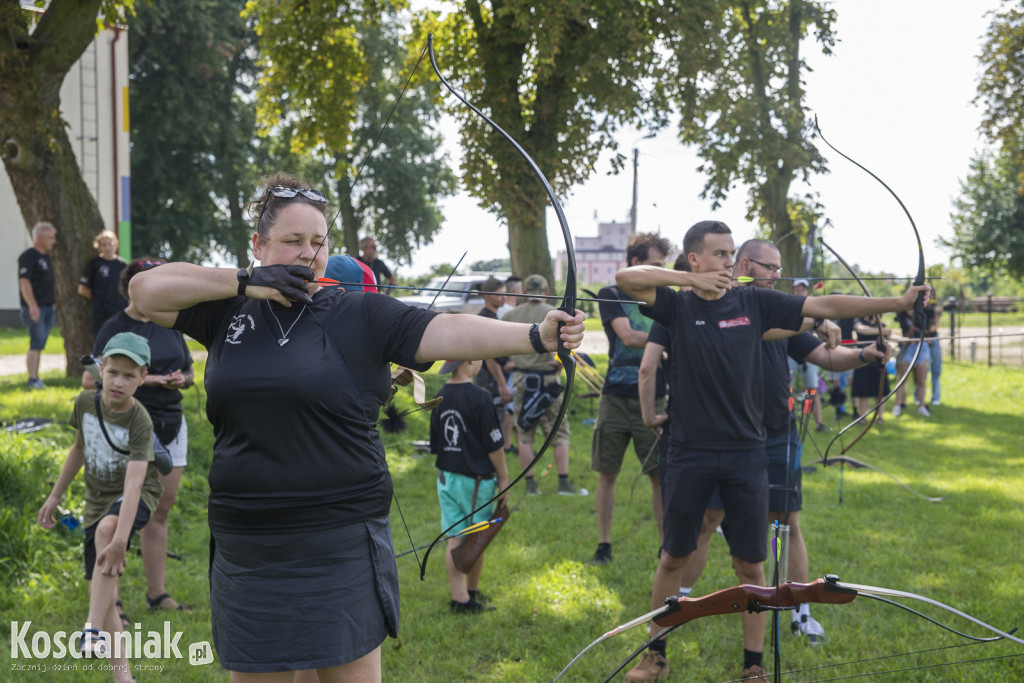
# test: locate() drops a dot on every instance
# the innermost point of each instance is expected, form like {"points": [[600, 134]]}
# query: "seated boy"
{"points": [[467, 440], [121, 488]]}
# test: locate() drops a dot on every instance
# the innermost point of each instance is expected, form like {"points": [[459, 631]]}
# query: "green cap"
{"points": [[128, 344]]}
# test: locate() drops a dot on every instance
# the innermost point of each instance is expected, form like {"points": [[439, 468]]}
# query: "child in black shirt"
{"points": [[467, 440]]}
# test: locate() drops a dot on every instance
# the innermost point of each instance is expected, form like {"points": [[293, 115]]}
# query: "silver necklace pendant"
{"points": [[282, 342]]}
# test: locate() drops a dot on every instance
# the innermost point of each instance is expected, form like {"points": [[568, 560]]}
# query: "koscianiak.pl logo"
{"points": [[31, 650]]}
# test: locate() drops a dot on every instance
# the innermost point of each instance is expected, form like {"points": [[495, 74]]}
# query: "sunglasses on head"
{"points": [[284, 192], [146, 265]]}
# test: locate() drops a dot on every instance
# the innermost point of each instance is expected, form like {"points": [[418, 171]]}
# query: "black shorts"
{"points": [[141, 518], [742, 478], [783, 453]]}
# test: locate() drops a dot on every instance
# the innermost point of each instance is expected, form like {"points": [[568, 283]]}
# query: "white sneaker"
{"points": [[923, 411], [934, 402], [809, 626], [897, 410]]}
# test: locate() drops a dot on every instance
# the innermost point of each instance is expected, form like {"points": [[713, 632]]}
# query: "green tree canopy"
{"points": [[741, 96], [988, 217], [1001, 88], [335, 73], [561, 77]]}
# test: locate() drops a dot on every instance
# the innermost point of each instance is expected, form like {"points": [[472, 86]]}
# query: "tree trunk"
{"points": [[37, 152], [528, 246]]}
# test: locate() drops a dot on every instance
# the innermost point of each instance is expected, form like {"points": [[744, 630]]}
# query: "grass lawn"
{"points": [[965, 551]]}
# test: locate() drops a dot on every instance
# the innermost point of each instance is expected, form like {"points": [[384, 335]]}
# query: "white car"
{"points": [[460, 300]]}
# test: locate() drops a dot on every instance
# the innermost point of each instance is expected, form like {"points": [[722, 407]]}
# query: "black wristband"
{"points": [[862, 358], [818, 322], [243, 279], [535, 339]]}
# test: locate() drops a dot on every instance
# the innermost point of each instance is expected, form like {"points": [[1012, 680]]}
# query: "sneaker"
{"points": [[922, 410], [603, 554], [897, 409], [479, 596], [821, 427], [36, 384], [471, 607], [935, 403], [566, 487], [511, 449], [531, 487], [651, 666], [809, 626], [754, 672]]}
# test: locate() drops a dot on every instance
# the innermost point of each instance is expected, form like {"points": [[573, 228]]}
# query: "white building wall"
{"points": [[94, 104]]}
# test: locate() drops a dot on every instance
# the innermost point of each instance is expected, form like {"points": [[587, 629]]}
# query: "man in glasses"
{"points": [[718, 434], [368, 255]]}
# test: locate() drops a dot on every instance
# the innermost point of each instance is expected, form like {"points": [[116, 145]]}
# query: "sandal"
{"points": [[126, 621], [93, 644], [154, 603]]}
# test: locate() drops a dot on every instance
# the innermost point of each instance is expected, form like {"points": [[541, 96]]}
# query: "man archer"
{"points": [[718, 435]]}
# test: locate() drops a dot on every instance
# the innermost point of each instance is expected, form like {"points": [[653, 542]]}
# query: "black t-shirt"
{"points": [[295, 424], [777, 416], [624, 361], [103, 277], [37, 268], [906, 322], [716, 362], [380, 271], [846, 328], [464, 430], [484, 378], [168, 352]]}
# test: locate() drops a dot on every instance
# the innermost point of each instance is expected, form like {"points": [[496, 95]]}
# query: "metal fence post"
{"points": [[990, 329]]}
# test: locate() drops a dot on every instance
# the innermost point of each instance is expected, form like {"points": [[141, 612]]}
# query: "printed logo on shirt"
{"points": [[496, 435], [700, 323], [237, 327], [104, 271], [742, 321], [453, 427], [43, 265]]}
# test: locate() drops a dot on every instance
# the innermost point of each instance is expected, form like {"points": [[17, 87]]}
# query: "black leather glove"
{"points": [[289, 280]]}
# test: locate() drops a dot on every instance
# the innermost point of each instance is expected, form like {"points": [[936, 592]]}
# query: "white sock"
{"points": [[684, 591]]}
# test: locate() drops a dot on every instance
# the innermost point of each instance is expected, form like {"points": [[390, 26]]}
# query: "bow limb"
{"points": [[889, 592], [881, 382], [919, 316], [568, 303]]}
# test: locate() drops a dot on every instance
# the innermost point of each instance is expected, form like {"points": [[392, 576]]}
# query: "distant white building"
{"points": [[94, 104], [597, 258]]}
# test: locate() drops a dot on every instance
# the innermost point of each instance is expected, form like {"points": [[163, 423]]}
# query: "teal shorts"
{"points": [[455, 494]]}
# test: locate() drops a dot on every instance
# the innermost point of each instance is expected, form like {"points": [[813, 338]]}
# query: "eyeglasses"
{"points": [[284, 192], [770, 268], [146, 265]]}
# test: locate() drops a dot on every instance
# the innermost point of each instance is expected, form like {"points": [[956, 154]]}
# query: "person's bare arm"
{"points": [[839, 306], [497, 458], [646, 378], [499, 378], [159, 293], [84, 291], [641, 282], [846, 358], [633, 338], [25, 285], [472, 337]]}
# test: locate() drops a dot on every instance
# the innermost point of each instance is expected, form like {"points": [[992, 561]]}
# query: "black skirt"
{"points": [[285, 602], [866, 379]]}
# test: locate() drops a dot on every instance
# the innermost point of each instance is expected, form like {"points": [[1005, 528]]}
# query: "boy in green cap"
{"points": [[114, 442]]}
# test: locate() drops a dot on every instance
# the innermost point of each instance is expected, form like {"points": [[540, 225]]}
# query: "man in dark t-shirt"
{"points": [[619, 419], [717, 436], [368, 255], [492, 375], [37, 295]]}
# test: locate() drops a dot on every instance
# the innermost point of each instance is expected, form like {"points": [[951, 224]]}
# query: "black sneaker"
{"points": [[603, 554], [471, 607]]}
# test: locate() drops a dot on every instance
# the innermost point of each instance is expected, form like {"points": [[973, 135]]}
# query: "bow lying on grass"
{"points": [[746, 598]]}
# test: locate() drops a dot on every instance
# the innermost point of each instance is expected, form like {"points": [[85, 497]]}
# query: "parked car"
{"points": [[458, 299]]}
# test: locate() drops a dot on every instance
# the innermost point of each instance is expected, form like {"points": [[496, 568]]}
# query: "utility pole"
{"points": [[636, 166]]}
